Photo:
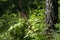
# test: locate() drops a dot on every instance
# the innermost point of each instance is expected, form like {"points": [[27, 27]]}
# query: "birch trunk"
{"points": [[51, 16], [51, 13]]}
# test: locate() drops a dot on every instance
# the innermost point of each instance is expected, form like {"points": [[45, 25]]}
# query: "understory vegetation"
{"points": [[14, 27]]}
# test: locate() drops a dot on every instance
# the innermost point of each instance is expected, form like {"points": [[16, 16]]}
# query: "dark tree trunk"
{"points": [[51, 16], [23, 14], [51, 13], [55, 11]]}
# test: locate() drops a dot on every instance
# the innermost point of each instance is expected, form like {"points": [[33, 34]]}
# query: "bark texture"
{"points": [[51, 16], [23, 14], [51, 13]]}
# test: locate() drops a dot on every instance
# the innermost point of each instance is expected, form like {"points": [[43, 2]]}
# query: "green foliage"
{"points": [[14, 27], [37, 20]]}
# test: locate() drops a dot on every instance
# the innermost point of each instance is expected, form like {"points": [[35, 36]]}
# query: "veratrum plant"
{"points": [[37, 20], [37, 25]]}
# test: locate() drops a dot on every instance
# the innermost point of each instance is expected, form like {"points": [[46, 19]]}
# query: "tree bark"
{"points": [[55, 11], [51, 13], [23, 14], [51, 16]]}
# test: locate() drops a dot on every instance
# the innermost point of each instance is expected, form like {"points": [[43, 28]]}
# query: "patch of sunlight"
{"points": [[13, 14], [13, 5], [12, 27], [58, 1]]}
